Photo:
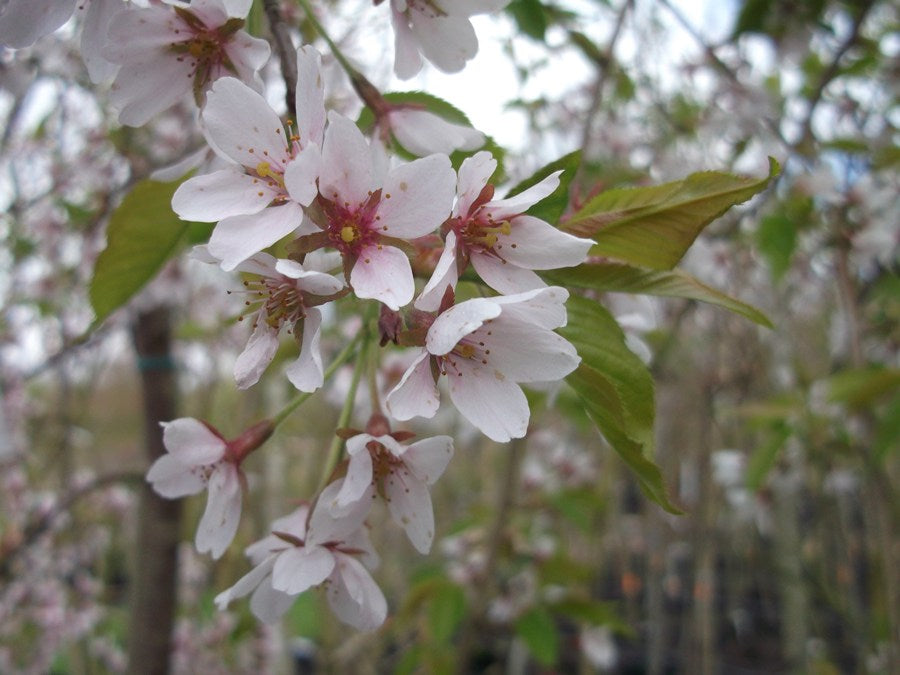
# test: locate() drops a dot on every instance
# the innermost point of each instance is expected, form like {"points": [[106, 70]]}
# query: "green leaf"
{"points": [[538, 631], [551, 207], [143, 233], [530, 17], [621, 278], [861, 387], [887, 433], [616, 390], [446, 610], [763, 458], [777, 239], [654, 226]]}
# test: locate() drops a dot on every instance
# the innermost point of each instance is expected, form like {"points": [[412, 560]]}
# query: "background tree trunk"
{"points": [[153, 599]]}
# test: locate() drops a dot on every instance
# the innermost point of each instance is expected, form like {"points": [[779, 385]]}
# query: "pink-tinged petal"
{"points": [[306, 372], [294, 524], [191, 442], [93, 37], [248, 54], [407, 60], [502, 276], [323, 527], [428, 458], [417, 197], [445, 276], [346, 175], [310, 97], [260, 263], [243, 126], [356, 482], [301, 175], [142, 90], [537, 245], [474, 174], [416, 395], [172, 479], [223, 511], [490, 401], [447, 41], [210, 12], [383, 273], [257, 355], [237, 238], [513, 206], [457, 322], [222, 194], [300, 568], [22, 23], [354, 596], [527, 353], [236, 8], [317, 283], [357, 444], [391, 445], [410, 506], [422, 133], [246, 583], [135, 34], [545, 307], [179, 169], [269, 605], [359, 541]]}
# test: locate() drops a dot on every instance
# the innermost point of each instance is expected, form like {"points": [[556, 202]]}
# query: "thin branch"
{"points": [[287, 55]]}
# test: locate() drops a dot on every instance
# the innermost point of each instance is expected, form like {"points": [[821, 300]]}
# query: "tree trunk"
{"points": [[153, 600]]}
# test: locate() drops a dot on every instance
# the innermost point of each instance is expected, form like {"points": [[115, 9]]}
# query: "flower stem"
{"points": [[299, 400], [365, 89], [334, 452]]}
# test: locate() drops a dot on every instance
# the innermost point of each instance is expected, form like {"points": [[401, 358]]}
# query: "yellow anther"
{"points": [[348, 234], [466, 351], [264, 169], [506, 228]]}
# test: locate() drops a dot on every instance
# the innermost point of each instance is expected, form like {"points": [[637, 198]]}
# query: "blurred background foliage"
{"points": [[780, 445]]}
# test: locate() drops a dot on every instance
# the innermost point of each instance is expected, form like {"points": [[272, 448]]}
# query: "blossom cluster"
{"points": [[312, 212]]}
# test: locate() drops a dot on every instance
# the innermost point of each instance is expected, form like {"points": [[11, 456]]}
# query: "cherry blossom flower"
{"points": [[503, 244], [200, 458], [485, 347], [169, 50], [365, 213], [439, 30], [259, 198], [285, 293], [422, 132], [402, 473], [297, 556]]}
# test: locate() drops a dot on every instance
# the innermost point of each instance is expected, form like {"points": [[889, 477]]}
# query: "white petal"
{"points": [[421, 195], [237, 238], [223, 511], [141, 90], [474, 174], [457, 322], [354, 596], [422, 132], [269, 605], [503, 276], [445, 276], [428, 458], [356, 482], [513, 206], [246, 583], [410, 506], [23, 22], [243, 125], [218, 195], [301, 567], [383, 273], [317, 283], [416, 395], [306, 372], [528, 353], [407, 60], [545, 307], [447, 41], [93, 36], [173, 479], [537, 245], [301, 175], [347, 173], [257, 355], [192, 442], [490, 401], [310, 101], [323, 527]]}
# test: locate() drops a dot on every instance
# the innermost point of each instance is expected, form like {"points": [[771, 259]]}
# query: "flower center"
{"points": [[480, 233], [278, 301], [350, 230]]}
